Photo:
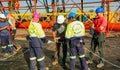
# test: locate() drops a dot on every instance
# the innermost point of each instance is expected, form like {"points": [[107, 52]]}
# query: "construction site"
{"points": [[22, 10]]}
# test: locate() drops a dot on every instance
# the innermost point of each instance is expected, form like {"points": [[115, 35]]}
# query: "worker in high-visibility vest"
{"points": [[36, 38], [74, 34], [98, 39], [59, 29]]}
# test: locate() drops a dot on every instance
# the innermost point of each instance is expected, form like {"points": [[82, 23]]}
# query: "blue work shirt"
{"points": [[4, 32]]}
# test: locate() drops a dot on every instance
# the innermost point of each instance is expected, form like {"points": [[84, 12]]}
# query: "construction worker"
{"points": [[36, 39], [74, 35], [12, 22], [5, 36], [59, 29], [98, 39]]}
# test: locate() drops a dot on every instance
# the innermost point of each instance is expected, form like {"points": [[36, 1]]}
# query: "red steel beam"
{"points": [[33, 0], [6, 0], [57, 4], [10, 0], [35, 6]]}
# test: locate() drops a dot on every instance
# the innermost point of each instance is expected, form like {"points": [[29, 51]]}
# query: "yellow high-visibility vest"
{"points": [[35, 29], [75, 29]]}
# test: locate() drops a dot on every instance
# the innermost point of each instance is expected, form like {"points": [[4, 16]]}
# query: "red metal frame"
{"points": [[103, 2]]}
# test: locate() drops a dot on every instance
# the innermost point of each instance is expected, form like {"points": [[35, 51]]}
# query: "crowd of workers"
{"points": [[68, 36]]}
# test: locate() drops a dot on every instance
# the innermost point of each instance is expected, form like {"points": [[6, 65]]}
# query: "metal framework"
{"points": [[33, 7]]}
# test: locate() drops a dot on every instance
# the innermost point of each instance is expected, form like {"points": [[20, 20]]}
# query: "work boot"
{"points": [[55, 62], [89, 62], [100, 65]]}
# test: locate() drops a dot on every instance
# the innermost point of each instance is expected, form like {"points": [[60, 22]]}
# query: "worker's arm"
{"points": [[54, 36], [6, 27], [92, 26], [12, 21]]}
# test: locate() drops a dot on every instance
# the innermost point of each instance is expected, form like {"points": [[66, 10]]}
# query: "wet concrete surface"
{"points": [[20, 61]]}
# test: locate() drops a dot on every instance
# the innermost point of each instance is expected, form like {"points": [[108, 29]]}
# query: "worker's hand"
{"points": [[56, 38], [92, 26], [82, 41], [91, 31], [8, 27]]}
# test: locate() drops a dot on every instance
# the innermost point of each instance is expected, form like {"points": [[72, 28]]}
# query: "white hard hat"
{"points": [[2, 16], [60, 19]]}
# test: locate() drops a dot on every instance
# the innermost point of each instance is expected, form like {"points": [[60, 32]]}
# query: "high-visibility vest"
{"points": [[75, 29], [35, 29]]}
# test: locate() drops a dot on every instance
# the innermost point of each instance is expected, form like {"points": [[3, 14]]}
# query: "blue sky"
{"points": [[87, 7]]}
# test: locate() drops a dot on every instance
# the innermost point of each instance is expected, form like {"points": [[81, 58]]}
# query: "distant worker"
{"points": [[7, 47], [12, 22], [36, 38], [75, 33], [59, 29], [98, 39]]}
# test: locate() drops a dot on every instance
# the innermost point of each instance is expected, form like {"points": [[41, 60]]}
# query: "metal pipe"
{"points": [[82, 9], [63, 2], [31, 5], [103, 3], [113, 17], [28, 5], [57, 4], [108, 17], [33, 0], [47, 6], [35, 6], [2, 5], [114, 13]]}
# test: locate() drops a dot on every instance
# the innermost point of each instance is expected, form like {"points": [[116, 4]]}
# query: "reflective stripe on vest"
{"points": [[3, 47], [33, 58], [36, 29], [72, 57], [82, 56], [40, 59], [75, 29]]}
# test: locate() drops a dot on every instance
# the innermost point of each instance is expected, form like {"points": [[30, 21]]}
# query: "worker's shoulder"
{"points": [[76, 22]]}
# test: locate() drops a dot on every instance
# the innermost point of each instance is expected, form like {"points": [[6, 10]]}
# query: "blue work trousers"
{"points": [[62, 43], [36, 50], [6, 44], [76, 48], [97, 41]]}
